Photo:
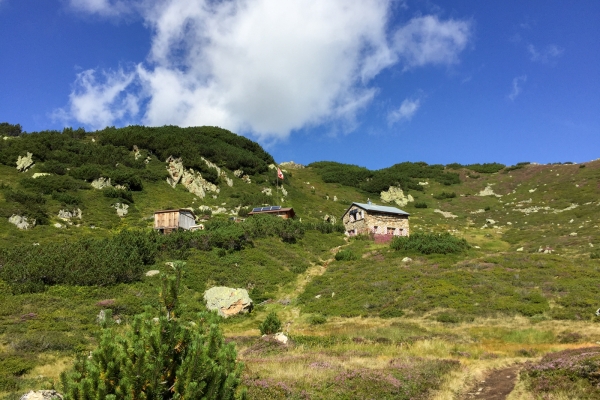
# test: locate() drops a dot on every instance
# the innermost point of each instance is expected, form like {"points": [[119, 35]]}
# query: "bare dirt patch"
{"points": [[496, 386]]}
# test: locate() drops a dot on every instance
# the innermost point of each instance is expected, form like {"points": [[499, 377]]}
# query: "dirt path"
{"points": [[497, 384]]}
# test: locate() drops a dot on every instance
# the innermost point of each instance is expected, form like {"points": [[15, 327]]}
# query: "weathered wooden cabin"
{"points": [[167, 221], [284, 213], [383, 222]]}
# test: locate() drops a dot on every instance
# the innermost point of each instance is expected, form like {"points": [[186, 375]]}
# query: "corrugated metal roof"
{"points": [[383, 209]]}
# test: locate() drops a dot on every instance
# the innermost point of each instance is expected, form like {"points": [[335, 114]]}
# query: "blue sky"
{"points": [[372, 82]]}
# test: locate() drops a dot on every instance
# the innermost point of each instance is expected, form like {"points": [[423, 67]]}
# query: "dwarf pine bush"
{"points": [[270, 325], [426, 243], [158, 357]]}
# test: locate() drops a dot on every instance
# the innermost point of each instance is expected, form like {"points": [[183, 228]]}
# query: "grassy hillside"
{"points": [[364, 319]]}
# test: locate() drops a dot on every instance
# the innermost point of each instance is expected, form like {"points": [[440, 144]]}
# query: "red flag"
{"points": [[279, 174]]}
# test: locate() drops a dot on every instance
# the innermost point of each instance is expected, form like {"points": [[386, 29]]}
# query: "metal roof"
{"points": [[376, 208]]}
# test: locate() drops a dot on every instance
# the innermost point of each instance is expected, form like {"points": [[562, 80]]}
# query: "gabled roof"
{"points": [[376, 208], [175, 210]]}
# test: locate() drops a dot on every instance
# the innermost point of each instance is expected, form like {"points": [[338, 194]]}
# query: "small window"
{"points": [[390, 231]]}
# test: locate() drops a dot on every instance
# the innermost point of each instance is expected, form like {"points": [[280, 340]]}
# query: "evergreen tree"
{"points": [[160, 357]]}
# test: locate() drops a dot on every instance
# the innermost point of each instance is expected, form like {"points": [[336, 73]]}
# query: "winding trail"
{"points": [[498, 384]]}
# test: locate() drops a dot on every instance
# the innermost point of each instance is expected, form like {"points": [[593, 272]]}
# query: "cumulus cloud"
{"points": [[544, 55], [266, 67], [407, 110], [99, 104], [517, 84]]}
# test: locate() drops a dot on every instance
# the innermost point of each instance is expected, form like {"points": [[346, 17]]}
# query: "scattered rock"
{"points": [[573, 234], [284, 192], [228, 180], [445, 213], [396, 194], [520, 249], [267, 191], [21, 222], [238, 173], [246, 178], [196, 184], [59, 225], [38, 174], [24, 163], [66, 215], [281, 338], [122, 209], [423, 183], [318, 296], [228, 301], [152, 272], [272, 166], [532, 190], [476, 247], [136, 152], [101, 183], [406, 259], [42, 395], [488, 191], [481, 210], [335, 198], [490, 221]]}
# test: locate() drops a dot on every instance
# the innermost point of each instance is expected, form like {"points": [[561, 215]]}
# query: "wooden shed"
{"points": [[284, 213], [166, 221]]}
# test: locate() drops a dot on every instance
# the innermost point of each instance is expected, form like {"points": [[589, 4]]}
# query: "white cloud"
{"points": [[102, 7], [407, 110], [517, 87], [98, 104], [427, 40], [267, 67], [545, 55]]}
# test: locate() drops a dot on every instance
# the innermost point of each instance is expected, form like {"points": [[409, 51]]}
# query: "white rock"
{"points": [[38, 174], [446, 214], [406, 259], [42, 395], [152, 272], [477, 247], [490, 221], [24, 163], [520, 249], [573, 234], [122, 209], [532, 190], [318, 296], [396, 195], [66, 215], [280, 337], [101, 183], [21, 222]]}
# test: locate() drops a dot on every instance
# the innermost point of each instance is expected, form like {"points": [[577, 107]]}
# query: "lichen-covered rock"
{"points": [[211, 165], [488, 191], [122, 209], [66, 215], [246, 178], [238, 173], [101, 183], [42, 395], [267, 191], [396, 195], [175, 169], [24, 163], [228, 301], [38, 174], [21, 222], [196, 184], [291, 165]]}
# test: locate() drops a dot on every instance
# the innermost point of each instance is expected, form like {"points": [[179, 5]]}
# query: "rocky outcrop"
{"points": [[238, 173], [246, 178], [42, 395], [488, 191], [196, 184], [291, 165], [21, 222], [67, 215], [136, 152], [101, 183], [396, 195], [175, 168], [228, 301], [122, 209], [24, 163]]}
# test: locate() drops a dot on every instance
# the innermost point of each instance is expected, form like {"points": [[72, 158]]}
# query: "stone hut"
{"points": [[382, 221]]}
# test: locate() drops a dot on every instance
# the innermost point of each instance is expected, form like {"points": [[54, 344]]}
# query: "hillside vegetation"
{"points": [[502, 266]]}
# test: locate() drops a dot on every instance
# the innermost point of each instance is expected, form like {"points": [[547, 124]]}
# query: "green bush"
{"points": [[425, 243], [345, 255], [168, 359], [594, 255], [270, 325], [53, 183], [391, 312], [447, 318], [317, 319], [444, 195], [125, 195], [66, 199], [420, 204], [88, 172], [487, 168]]}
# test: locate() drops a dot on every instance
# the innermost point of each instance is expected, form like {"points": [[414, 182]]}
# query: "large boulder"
{"points": [[228, 301], [42, 395], [122, 209], [21, 222], [396, 195], [25, 162]]}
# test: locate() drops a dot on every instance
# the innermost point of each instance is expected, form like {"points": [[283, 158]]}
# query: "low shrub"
{"points": [[420, 204], [270, 325], [444, 195], [317, 319], [427, 243], [345, 255], [125, 195], [594, 255], [391, 312], [447, 318], [66, 199]]}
